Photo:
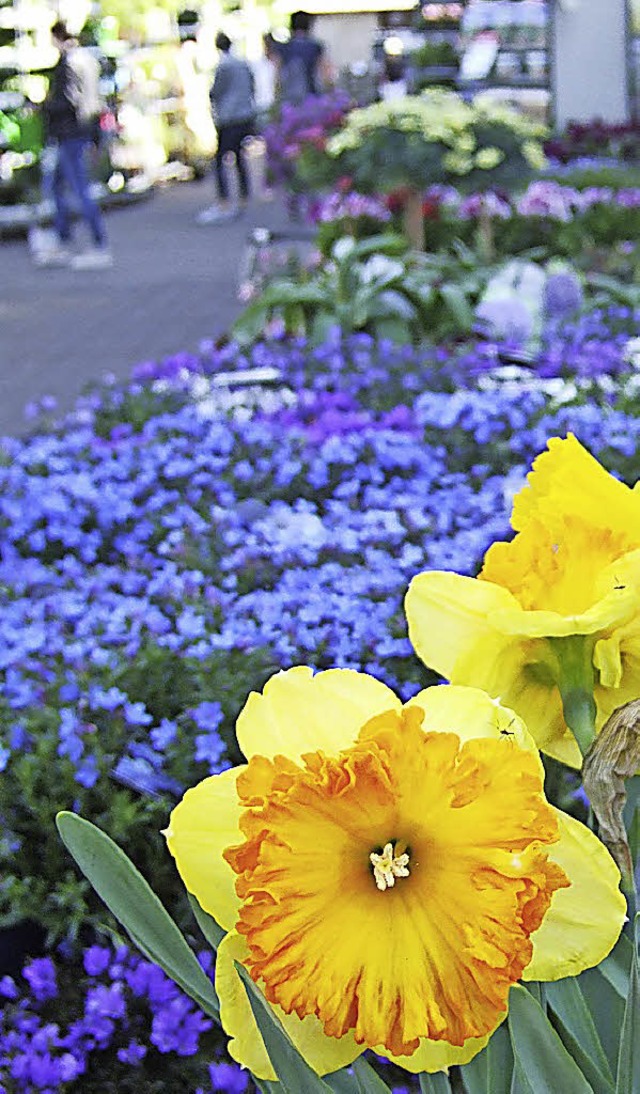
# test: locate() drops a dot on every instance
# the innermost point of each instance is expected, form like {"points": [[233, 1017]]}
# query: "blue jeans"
{"points": [[71, 172]]}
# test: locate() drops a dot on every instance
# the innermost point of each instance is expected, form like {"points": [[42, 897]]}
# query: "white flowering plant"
{"points": [[429, 138]]}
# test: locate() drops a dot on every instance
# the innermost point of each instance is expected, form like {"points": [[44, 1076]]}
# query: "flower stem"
{"points": [[580, 716], [576, 681], [413, 220]]}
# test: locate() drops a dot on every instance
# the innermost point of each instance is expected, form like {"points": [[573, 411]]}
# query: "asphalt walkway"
{"points": [[173, 284]]}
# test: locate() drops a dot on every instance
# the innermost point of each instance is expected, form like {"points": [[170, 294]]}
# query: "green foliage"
{"points": [[435, 137], [376, 286], [134, 904], [434, 53], [491, 1071], [539, 1054], [628, 1073], [35, 880], [551, 1040], [294, 1073], [618, 176], [131, 17]]}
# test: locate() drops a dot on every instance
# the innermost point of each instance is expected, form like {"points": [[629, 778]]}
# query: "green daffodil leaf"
{"points": [[538, 1050], [360, 1078], [491, 1071], [628, 1077], [292, 1070], [211, 930], [578, 1032], [438, 1083], [134, 904]]}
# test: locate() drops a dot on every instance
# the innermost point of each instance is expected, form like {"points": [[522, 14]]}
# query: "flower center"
{"points": [[388, 866], [454, 816]]}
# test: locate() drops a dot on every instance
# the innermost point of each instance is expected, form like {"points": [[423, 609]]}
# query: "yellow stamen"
{"points": [[387, 867]]}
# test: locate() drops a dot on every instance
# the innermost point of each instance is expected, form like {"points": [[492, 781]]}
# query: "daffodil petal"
{"points": [[451, 626], [611, 611], [298, 712], [201, 827], [584, 921], [470, 712], [617, 660], [567, 479], [450, 617], [438, 1055], [324, 1054], [540, 706]]}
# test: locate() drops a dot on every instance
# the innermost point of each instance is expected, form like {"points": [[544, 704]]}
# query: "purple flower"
{"points": [[489, 203], [40, 973], [133, 1054], [207, 715], [96, 960], [563, 295], [229, 1078], [8, 988], [210, 749], [105, 1001]]}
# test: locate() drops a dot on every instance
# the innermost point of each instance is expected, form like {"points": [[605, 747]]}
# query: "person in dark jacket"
{"points": [[68, 129], [302, 63], [234, 110]]}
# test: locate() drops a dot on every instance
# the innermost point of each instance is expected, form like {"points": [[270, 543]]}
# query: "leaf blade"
{"points": [[134, 904], [569, 1005], [293, 1071], [491, 1071], [434, 1083], [211, 930], [538, 1050], [628, 1074]]}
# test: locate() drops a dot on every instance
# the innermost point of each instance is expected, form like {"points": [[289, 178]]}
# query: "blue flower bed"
{"points": [[121, 1016], [160, 558]]}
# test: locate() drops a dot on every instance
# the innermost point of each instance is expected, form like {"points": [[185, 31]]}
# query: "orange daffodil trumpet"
{"points": [[386, 873], [551, 626]]}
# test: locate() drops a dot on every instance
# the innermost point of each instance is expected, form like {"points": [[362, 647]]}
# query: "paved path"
{"points": [[173, 284]]}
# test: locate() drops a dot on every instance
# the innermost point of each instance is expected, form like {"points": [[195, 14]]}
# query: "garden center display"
{"points": [[319, 706]]}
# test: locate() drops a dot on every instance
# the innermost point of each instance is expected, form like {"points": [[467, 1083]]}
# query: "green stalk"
{"points": [[576, 682]]}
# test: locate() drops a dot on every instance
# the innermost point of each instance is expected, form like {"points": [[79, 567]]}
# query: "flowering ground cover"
{"points": [[545, 213], [160, 557]]}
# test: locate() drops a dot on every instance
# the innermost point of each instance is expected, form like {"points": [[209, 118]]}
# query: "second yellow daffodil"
{"points": [[551, 626]]}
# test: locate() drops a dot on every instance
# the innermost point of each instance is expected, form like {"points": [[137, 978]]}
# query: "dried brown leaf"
{"points": [[614, 757]]}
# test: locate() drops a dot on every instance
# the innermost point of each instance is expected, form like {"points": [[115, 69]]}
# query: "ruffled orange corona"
{"points": [[402, 965], [387, 888], [566, 588]]}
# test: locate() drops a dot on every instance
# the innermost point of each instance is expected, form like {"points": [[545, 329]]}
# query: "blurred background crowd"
{"points": [[157, 63]]}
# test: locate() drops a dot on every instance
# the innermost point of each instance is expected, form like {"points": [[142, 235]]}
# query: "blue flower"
{"points": [[96, 960], [40, 973], [229, 1078]]}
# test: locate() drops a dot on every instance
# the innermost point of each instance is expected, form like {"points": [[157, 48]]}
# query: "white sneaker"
{"points": [[98, 258], [215, 215], [53, 256]]}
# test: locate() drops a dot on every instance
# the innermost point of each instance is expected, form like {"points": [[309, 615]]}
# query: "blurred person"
{"points": [[394, 84], [86, 68], [265, 72], [234, 111], [70, 111], [303, 68]]}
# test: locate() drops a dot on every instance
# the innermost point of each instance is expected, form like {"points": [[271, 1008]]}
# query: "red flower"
{"points": [[431, 209]]}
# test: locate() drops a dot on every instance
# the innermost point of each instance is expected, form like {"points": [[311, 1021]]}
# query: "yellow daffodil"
{"points": [[386, 873], [554, 617]]}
